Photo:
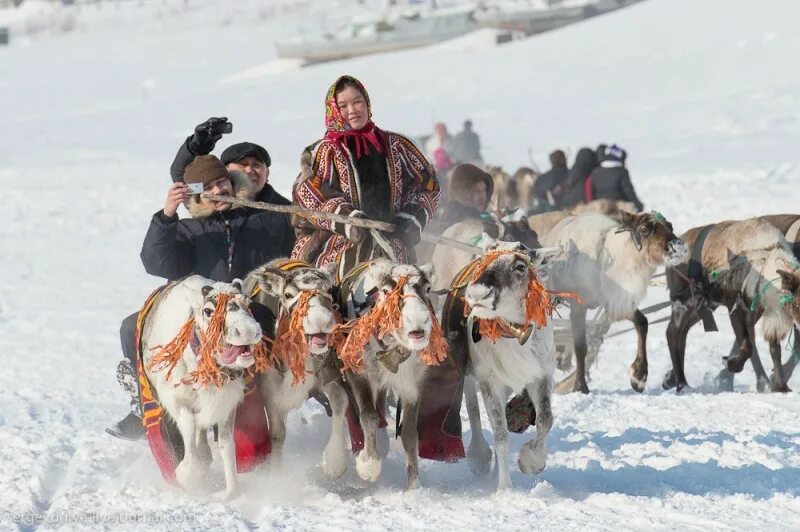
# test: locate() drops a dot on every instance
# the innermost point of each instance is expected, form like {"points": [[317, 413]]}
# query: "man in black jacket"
{"points": [[246, 157], [611, 180], [218, 242]]}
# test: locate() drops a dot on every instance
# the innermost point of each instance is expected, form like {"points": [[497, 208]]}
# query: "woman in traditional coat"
{"points": [[359, 170]]}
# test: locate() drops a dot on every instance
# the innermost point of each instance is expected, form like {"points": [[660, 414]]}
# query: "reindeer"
{"points": [[388, 348], [608, 262], [789, 225], [508, 337], [197, 343], [300, 296], [735, 264]]}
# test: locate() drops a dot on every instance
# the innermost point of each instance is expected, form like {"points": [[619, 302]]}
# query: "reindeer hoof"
{"points": [[189, 476], [532, 461], [680, 387], [762, 384], [479, 458], [367, 468], [780, 388], [724, 381], [412, 484], [669, 380], [228, 494]]}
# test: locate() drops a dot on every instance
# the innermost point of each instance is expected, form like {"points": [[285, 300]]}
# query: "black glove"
{"points": [[207, 134], [407, 230]]}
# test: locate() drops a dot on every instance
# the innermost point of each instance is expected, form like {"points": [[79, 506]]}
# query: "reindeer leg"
{"points": [[495, 408], [739, 322], [334, 458], [639, 367], [533, 455], [269, 385], [788, 368], [203, 448], [410, 439], [368, 461], [479, 454], [682, 319], [188, 473], [577, 380], [778, 381], [227, 451], [382, 435]]}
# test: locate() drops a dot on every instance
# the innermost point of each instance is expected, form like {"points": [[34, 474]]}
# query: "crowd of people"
{"points": [[356, 169]]}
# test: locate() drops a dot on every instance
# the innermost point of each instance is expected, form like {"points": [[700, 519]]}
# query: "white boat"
{"points": [[397, 31], [531, 19]]}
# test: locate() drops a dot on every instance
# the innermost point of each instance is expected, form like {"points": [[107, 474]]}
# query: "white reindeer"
{"points": [[201, 389], [389, 348], [521, 357], [608, 262], [300, 296]]}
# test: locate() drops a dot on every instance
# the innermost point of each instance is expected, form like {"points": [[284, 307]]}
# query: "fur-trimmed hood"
{"points": [[243, 188], [463, 178]]}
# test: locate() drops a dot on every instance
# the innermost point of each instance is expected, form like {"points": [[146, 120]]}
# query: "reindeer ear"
{"points": [[542, 257], [271, 281], [329, 270], [380, 268], [206, 290], [486, 242], [237, 284], [627, 220], [427, 271], [789, 281]]}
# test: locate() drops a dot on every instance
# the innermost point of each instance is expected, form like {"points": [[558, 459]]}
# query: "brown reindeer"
{"points": [[746, 266]]}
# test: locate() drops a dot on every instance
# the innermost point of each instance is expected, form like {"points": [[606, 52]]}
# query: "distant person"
{"points": [[467, 146], [439, 146], [548, 185], [611, 180], [576, 189]]}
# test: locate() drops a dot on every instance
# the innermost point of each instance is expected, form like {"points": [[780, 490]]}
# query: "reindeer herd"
{"points": [[461, 325]]}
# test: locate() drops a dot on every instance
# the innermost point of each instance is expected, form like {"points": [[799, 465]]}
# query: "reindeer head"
{"points": [[383, 277], [652, 235], [500, 290], [225, 325], [307, 287], [790, 293]]}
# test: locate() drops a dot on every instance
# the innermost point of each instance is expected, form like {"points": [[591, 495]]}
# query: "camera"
{"points": [[195, 188]]}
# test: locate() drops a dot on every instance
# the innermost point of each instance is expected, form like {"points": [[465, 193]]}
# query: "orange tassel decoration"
{"points": [[436, 351], [291, 346], [538, 304], [170, 354], [384, 318]]}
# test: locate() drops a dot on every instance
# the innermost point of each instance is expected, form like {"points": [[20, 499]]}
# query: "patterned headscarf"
{"points": [[338, 130]]}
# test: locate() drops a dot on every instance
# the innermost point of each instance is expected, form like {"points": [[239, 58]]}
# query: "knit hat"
{"points": [[205, 169], [237, 152]]}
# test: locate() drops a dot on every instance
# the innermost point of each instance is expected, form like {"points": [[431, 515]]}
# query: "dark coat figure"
{"points": [[467, 146], [575, 184], [547, 187], [611, 180]]}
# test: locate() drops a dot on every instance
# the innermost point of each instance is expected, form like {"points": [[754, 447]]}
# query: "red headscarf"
{"points": [[337, 129]]}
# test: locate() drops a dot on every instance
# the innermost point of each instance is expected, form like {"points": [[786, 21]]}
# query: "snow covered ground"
{"points": [[701, 93]]}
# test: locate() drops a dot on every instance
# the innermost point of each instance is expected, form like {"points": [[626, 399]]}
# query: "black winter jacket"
{"points": [[614, 183], [175, 248], [546, 182]]}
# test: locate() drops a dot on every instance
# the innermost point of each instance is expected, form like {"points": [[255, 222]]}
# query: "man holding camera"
{"points": [[219, 242], [245, 157]]}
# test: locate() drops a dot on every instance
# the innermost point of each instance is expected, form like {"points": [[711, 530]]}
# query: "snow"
{"points": [[701, 94]]}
